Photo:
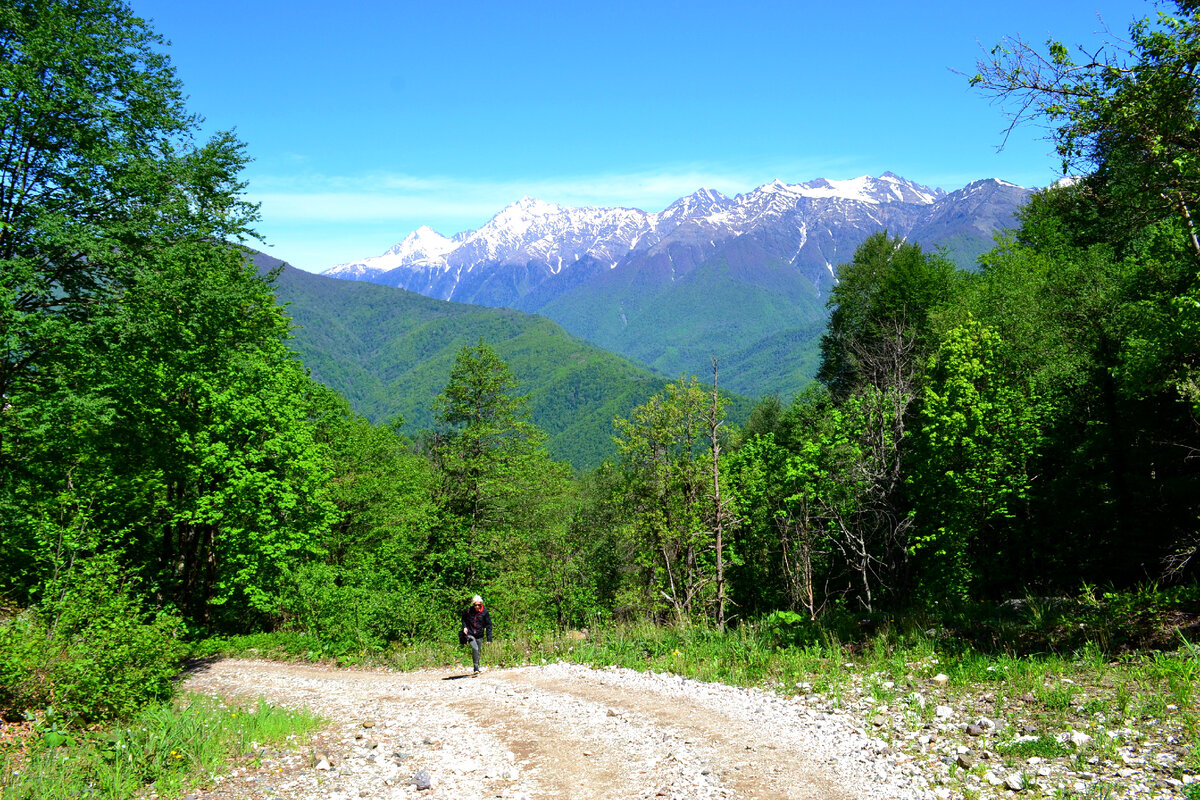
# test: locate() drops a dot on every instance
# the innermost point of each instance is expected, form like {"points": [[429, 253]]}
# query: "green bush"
{"points": [[785, 628], [355, 612], [90, 652], [25, 658]]}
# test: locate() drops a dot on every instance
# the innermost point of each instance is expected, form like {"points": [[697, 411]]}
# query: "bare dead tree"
{"points": [[721, 515]]}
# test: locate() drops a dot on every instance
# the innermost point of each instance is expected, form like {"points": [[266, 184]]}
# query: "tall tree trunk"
{"points": [[714, 423]]}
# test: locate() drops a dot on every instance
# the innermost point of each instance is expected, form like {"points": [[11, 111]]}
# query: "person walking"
{"points": [[477, 624]]}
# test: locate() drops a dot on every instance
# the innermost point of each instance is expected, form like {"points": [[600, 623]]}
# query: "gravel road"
{"points": [[554, 731]]}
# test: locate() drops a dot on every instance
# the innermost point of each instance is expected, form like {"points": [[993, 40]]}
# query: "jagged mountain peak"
{"points": [[528, 207], [989, 186], [424, 239], [701, 202], [888, 188], [802, 224]]}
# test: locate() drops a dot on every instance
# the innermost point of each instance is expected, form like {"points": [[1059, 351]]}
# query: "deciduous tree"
{"points": [[667, 480], [1125, 114]]}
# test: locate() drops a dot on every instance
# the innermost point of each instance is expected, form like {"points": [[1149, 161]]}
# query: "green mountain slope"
{"points": [[741, 315], [389, 351], [781, 363]]}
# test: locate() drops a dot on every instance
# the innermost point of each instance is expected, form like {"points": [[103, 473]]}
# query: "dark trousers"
{"points": [[471, 640]]}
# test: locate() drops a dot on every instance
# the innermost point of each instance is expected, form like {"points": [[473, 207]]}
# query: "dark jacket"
{"points": [[478, 624]]}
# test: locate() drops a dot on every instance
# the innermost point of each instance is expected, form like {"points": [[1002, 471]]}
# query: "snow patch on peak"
{"points": [[537, 235], [887, 188], [424, 240], [853, 189], [424, 247], [533, 204], [987, 183], [529, 207]]}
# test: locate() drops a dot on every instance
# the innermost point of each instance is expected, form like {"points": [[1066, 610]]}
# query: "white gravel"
{"points": [[559, 730]]}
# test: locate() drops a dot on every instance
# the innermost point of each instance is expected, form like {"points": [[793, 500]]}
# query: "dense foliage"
{"points": [[1029, 427], [169, 469]]}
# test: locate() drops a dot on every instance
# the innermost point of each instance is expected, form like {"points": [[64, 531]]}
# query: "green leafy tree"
{"points": [[879, 324], [97, 169], [818, 521], [368, 580], [150, 406], [1127, 114], [851, 465], [978, 444], [780, 540], [766, 418], [665, 486], [1123, 116], [219, 415], [672, 494], [881, 327], [499, 489]]}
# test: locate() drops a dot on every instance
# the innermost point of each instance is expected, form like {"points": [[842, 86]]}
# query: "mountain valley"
{"points": [[389, 352], [742, 279]]}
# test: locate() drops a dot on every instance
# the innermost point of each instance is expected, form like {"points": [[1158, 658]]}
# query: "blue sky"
{"points": [[368, 119]]}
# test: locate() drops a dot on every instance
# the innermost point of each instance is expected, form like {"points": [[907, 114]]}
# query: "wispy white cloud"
{"points": [[434, 200], [319, 220], [367, 205]]}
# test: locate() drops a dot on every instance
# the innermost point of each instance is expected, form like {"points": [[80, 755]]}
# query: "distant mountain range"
{"points": [[743, 279]]}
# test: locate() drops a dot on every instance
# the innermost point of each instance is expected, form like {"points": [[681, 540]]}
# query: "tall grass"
{"points": [[172, 747]]}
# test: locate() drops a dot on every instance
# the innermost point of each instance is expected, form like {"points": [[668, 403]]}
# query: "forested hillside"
{"points": [[715, 308], [169, 470], [389, 351]]}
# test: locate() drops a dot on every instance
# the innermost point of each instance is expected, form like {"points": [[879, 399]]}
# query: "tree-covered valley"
{"points": [[171, 469], [389, 352]]}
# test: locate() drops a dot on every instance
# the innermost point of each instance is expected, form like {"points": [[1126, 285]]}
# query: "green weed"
{"points": [[1057, 698], [172, 747], [1041, 747]]}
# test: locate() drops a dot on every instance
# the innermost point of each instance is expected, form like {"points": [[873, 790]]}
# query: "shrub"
{"points": [[360, 611], [89, 652], [25, 652]]}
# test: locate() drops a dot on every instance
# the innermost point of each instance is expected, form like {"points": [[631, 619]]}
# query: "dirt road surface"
{"points": [[555, 731]]}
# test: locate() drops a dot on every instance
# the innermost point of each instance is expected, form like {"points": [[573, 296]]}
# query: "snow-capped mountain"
{"points": [[744, 278], [531, 251]]}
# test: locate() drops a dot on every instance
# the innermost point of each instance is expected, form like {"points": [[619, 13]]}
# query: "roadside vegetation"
{"points": [[167, 749], [1063, 703], [993, 479]]}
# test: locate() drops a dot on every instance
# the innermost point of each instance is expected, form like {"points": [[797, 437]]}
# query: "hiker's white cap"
{"points": [[476, 599]]}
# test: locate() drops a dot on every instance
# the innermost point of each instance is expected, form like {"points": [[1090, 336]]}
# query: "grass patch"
{"points": [[1042, 747], [175, 747], [276, 646]]}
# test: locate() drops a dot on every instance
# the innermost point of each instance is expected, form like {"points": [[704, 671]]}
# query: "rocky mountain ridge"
{"points": [[812, 226], [743, 279]]}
